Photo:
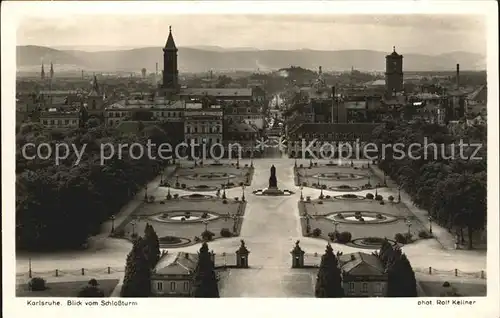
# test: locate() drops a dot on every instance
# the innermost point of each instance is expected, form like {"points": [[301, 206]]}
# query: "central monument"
{"points": [[273, 182], [273, 190]]}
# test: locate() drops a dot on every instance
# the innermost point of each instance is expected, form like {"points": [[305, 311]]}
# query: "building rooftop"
{"points": [[306, 128], [241, 127], [132, 126], [139, 103], [217, 92], [379, 82], [59, 92], [176, 264], [480, 94], [53, 112], [361, 264], [355, 104]]}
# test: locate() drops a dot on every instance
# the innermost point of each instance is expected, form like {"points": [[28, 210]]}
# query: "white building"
{"points": [[173, 275]]}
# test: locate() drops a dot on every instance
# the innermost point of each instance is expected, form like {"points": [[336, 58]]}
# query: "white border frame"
{"points": [[372, 307]]}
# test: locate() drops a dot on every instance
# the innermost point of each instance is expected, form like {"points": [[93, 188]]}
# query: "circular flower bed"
{"points": [[183, 216], [338, 176], [349, 196], [344, 187], [171, 241], [197, 196], [202, 187], [370, 242], [210, 176], [361, 217]]}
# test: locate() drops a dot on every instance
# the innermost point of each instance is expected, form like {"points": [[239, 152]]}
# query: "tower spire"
{"points": [[170, 45], [42, 73], [51, 70]]}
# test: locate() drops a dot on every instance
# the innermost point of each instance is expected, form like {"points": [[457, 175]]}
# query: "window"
{"points": [[159, 286], [351, 287], [378, 287], [364, 288], [172, 286], [186, 286]]}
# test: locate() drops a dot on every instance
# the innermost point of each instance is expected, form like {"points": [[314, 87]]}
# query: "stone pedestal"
{"points": [[242, 256], [297, 256], [273, 191]]}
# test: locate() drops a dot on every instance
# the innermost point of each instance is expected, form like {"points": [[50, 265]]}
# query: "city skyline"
{"points": [[426, 34]]}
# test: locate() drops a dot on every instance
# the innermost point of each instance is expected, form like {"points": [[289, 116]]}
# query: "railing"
{"points": [[313, 260], [221, 260], [452, 272], [70, 272]]}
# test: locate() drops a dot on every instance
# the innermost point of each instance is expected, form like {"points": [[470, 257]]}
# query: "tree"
{"points": [[205, 280], [401, 280], [137, 281], [92, 122], [152, 245], [91, 290], [329, 280], [451, 189]]}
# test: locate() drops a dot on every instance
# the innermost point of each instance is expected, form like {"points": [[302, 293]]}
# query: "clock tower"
{"points": [[393, 73], [170, 71]]}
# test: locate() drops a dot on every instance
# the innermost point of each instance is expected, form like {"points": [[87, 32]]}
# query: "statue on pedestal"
{"points": [[273, 182]]}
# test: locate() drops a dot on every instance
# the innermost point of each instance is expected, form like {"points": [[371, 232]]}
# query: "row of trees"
{"points": [[143, 258], [60, 205], [401, 280], [449, 184]]}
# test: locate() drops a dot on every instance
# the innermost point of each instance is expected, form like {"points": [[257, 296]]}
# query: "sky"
{"points": [[425, 34]]}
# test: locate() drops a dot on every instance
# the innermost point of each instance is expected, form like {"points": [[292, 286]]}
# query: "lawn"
{"points": [[463, 289], [221, 175], [363, 176], [317, 211], [223, 217], [65, 289]]}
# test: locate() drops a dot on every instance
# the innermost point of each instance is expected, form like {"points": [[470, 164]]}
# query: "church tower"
{"points": [[393, 73], [42, 73], [170, 71], [51, 70]]}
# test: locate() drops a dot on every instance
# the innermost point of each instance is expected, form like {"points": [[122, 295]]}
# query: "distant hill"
{"points": [[219, 59]]}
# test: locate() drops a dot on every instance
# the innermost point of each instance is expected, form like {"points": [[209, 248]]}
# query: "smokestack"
{"points": [[156, 68], [458, 76], [333, 103]]}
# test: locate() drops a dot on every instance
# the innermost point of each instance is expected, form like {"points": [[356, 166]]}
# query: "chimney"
{"points": [[353, 257], [156, 68], [333, 105], [187, 255], [458, 76]]}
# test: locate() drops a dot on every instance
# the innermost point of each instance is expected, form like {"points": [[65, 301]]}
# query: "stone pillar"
{"points": [[242, 256], [297, 256]]}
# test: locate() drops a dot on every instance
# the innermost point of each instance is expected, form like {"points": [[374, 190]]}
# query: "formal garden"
{"points": [[360, 221], [182, 220], [210, 177], [332, 176]]}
